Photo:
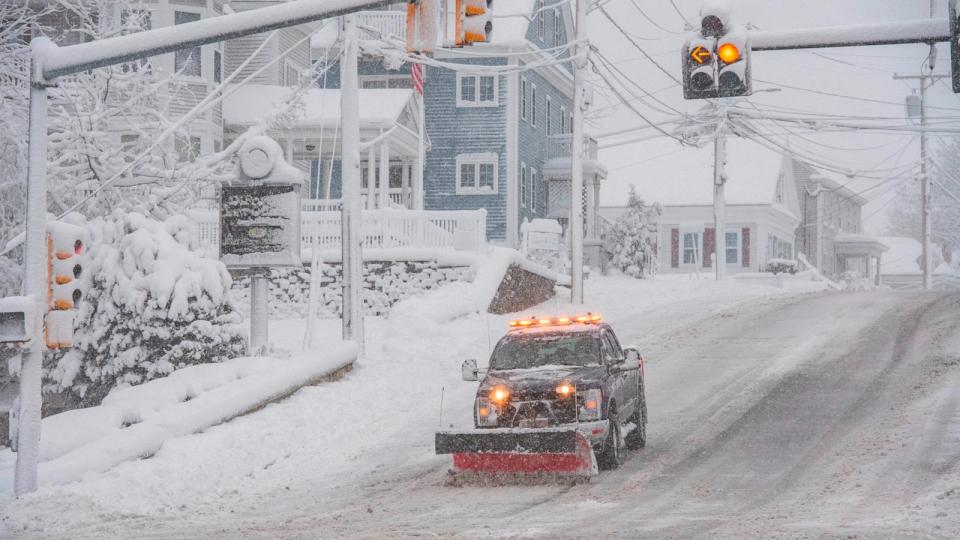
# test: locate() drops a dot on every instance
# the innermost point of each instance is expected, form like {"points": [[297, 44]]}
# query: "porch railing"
{"points": [[559, 146]]}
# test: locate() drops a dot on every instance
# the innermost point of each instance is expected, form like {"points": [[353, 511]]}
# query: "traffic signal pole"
{"points": [[720, 200], [576, 157], [352, 259]]}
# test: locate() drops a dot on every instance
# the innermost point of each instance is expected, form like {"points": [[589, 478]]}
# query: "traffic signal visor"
{"points": [[477, 21]]}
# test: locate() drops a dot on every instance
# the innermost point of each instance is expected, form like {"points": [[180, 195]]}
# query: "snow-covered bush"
{"points": [[782, 266], [633, 245], [154, 304], [853, 281]]}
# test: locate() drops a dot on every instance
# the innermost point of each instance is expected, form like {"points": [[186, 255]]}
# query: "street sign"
{"points": [[260, 225]]}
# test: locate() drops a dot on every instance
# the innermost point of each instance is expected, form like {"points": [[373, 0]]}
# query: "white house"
{"points": [[762, 210]]}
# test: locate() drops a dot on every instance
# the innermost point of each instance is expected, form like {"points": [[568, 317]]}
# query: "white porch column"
{"points": [[405, 185], [371, 177], [384, 175]]}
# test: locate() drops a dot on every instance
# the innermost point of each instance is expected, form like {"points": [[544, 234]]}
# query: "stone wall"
{"points": [[521, 289], [387, 282]]}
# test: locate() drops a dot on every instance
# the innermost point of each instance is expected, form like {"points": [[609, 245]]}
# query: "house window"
{"points": [[778, 249], [523, 99], [533, 190], [187, 61], [563, 119], [541, 20], [385, 81], [691, 248], [474, 90], [217, 67], [547, 114], [533, 105], [524, 191], [557, 26], [477, 174], [733, 247]]}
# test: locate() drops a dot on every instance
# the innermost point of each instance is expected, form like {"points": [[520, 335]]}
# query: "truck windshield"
{"points": [[530, 351]]}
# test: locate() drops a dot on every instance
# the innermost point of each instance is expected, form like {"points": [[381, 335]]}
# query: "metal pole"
{"points": [[34, 280], [719, 203], [352, 310], [259, 327], [576, 149]]}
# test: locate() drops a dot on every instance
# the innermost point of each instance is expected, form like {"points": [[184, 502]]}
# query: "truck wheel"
{"points": [[612, 455], [638, 437]]}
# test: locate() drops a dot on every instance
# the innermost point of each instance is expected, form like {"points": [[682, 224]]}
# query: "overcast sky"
{"points": [[826, 70]]}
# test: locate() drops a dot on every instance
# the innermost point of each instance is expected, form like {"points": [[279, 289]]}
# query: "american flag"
{"points": [[416, 74]]}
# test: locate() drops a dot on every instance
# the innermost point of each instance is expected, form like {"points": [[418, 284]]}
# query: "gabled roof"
{"points": [[686, 178]]}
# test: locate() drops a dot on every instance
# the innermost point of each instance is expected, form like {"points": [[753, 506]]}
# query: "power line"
{"points": [[637, 45], [856, 98], [630, 105], [680, 13], [653, 22]]}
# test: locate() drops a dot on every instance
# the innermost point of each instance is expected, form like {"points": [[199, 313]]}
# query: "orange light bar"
{"points": [[499, 395], [589, 318], [565, 390]]}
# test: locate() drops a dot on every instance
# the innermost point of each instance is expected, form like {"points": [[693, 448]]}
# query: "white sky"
{"points": [[869, 77]]}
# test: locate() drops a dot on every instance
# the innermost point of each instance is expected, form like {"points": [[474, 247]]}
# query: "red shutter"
{"points": [[675, 248], [745, 235], [709, 244]]}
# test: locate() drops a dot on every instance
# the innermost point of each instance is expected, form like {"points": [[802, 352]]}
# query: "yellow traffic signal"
{"points": [[66, 247], [728, 53]]}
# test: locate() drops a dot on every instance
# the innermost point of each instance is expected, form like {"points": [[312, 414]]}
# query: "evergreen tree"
{"points": [[634, 238]]}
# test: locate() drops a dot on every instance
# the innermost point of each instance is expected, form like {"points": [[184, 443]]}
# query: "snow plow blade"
{"points": [[502, 456]]}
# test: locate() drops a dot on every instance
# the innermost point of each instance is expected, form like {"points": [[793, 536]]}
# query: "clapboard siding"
{"points": [[239, 49], [464, 130], [299, 55]]}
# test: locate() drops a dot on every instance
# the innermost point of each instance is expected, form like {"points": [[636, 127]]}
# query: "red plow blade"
{"points": [[518, 455]]}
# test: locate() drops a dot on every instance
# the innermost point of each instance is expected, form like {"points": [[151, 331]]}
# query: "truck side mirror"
{"points": [[633, 355], [469, 370]]}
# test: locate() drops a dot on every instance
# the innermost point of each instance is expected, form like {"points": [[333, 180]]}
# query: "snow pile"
{"points": [[154, 304], [135, 422], [634, 238]]}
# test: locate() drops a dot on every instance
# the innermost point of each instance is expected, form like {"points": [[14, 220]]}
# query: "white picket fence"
{"points": [[382, 229]]}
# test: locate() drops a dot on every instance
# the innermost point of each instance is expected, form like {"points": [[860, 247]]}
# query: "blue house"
{"points": [[498, 119]]}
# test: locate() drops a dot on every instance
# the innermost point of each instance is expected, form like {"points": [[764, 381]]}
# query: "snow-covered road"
{"points": [[828, 414]]}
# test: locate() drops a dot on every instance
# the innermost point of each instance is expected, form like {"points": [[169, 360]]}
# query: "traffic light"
{"points": [[474, 21], [66, 245], [421, 25], [716, 60], [955, 45]]}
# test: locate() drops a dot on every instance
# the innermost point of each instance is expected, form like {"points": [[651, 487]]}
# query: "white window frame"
{"points": [[533, 105], [548, 111], [476, 81], [696, 250], [489, 158], [523, 99], [557, 26], [524, 189], [738, 247], [541, 20]]}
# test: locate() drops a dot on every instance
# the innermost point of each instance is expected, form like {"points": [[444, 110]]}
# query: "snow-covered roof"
{"points": [[905, 255], [686, 179], [378, 107], [856, 188]]}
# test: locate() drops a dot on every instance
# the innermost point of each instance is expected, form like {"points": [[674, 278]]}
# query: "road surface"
{"points": [[831, 415]]}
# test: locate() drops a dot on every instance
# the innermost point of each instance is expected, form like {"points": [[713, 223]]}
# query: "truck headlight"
{"points": [[590, 404], [486, 413]]}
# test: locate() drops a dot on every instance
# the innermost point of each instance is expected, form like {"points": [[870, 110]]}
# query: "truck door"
{"points": [[629, 379]]}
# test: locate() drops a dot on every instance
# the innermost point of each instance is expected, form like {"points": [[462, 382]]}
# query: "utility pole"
{"points": [[576, 151], [352, 259], [926, 80], [719, 198]]}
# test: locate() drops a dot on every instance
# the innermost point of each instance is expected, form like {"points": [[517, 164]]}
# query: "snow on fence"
{"points": [[382, 229]]}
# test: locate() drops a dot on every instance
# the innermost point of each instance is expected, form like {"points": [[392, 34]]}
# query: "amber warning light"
{"points": [[589, 318], [729, 53], [700, 55]]}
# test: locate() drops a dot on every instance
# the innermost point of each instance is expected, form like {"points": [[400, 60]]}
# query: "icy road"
{"points": [[827, 415]]}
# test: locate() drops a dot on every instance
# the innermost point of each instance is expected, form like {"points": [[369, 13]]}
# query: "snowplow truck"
{"points": [[560, 400]]}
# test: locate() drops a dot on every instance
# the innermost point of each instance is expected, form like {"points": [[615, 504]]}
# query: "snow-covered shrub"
{"points": [[782, 266], [633, 245], [11, 272], [853, 281], [154, 304]]}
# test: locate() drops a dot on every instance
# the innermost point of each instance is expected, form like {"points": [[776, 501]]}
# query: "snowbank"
{"points": [[134, 422]]}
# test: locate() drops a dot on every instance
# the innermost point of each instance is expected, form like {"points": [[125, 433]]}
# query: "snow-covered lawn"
{"points": [[381, 416]]}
